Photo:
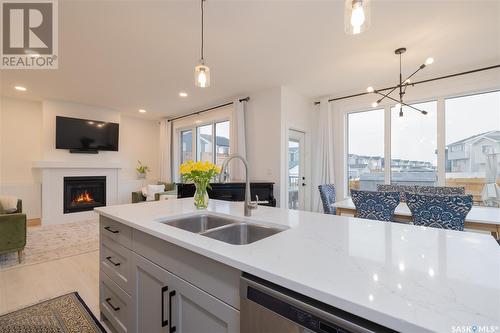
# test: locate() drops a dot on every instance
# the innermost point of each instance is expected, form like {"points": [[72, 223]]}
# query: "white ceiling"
{"points": [[127, 55]]}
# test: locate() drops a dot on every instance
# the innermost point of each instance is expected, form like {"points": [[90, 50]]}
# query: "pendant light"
{"points": [[202, 71], [356, 16]]}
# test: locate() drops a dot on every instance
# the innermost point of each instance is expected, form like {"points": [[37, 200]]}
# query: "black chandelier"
{"points": [[403, 84]]}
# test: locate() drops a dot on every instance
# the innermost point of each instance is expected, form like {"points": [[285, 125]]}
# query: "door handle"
{"points": [[115, 308], [111, 230], [170, 295], [164, 322], [111, 261]]}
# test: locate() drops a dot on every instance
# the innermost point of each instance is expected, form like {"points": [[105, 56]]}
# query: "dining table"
{"points": [[479, 218]]}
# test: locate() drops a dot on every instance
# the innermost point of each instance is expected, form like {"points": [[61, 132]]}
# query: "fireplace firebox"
{"points": [[84, 193]]}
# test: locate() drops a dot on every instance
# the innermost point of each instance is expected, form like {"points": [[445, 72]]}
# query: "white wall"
{"points": [[27, 134], [263, 137], [21, 144], [436, 90]]}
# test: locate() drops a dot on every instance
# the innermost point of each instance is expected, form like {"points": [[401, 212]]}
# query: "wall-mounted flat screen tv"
{"points": [[84, 135]]}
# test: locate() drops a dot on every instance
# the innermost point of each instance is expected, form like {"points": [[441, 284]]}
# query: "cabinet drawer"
{"points": [[115, 262], [114, 303], [116, 231]]}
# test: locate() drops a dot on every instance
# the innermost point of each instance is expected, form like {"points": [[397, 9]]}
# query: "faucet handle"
{"points": [[255, 204]]}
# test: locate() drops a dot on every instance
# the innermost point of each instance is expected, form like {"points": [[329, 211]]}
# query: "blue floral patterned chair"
{"points": [[440, 190], [402, 189], [445, 212], [375, 205], [327, 194]]}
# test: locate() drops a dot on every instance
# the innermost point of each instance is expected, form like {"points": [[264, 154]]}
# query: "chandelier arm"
{"points": [[403, 103], [385, 95], [415, 72]]}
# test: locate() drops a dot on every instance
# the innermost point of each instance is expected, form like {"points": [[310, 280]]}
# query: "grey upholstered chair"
{"points": [[327, 194], [375, 205], [440, 190], [402, 189], [439, 211]]}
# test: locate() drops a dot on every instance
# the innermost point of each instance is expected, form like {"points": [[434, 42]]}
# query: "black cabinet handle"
{"points": [[112, 231], [303, 184], [170, 295], [115, 308], [111, 261], [164, 322]]}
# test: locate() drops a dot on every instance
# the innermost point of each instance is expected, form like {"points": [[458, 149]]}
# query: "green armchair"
{"points": [[170, 188], [13, 231]]}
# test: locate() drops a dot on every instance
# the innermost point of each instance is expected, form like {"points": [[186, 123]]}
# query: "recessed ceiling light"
{"points": [[142, 111], [20, 88], [183, 94]]}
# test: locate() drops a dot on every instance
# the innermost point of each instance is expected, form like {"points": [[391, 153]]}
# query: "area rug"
{"points": [[63, 314], [45, 243]]}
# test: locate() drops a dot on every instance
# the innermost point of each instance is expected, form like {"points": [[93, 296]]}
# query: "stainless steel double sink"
{"points": [[224, 229]]}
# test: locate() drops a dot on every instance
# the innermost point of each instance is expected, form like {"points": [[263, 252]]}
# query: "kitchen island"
{"points": [[403, 277]]}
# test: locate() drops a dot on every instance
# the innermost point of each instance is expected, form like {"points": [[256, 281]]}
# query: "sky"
{"points": [[414, 136]]}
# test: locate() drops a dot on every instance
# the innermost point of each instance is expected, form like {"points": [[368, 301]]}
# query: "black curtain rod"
{"points": [[414, 83], [246, 99]]}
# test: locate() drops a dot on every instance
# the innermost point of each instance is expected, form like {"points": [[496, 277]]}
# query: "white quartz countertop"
{"points": [[408, 278]]}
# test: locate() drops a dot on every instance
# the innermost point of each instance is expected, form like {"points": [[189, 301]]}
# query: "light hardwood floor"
{"points": [[31, 284]]}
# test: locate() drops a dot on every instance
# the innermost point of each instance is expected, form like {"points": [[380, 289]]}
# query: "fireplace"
{"points": [[84, 193]]}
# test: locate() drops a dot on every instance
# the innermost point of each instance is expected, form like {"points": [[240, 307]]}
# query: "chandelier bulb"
{"points": [[370, 89], [374, 104]]}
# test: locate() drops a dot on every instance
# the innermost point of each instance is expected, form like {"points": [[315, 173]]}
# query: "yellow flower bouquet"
{"points": [[200, 173]]}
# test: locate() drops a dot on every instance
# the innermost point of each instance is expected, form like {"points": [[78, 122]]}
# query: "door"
{"points": [[195, 311], [296, 170], [165, 303], [150, 293]]}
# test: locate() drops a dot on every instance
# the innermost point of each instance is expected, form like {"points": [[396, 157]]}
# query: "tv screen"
{"points": [[86, 135]]}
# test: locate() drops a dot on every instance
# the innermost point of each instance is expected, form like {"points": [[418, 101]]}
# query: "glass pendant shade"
{"points": [[356, 16], [202, 76]]}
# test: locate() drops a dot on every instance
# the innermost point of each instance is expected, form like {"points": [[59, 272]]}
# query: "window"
{"points": [[457, 147], [414, 145], [221, 141], [210, 138], [472, 122], [186, 145], [365, 160], [204, 143]]}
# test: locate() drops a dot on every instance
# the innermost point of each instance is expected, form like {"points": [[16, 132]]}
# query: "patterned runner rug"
{"points": [[63, 314], [45, 243]]}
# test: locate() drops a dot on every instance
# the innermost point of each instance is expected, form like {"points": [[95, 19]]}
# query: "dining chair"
{"points": [[440, 190], [375, 205], [402, 189], [439, 211], [327, 195]]}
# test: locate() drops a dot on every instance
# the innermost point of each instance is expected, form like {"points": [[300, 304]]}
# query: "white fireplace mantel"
{"points": [[52, 176], [76, 165]]}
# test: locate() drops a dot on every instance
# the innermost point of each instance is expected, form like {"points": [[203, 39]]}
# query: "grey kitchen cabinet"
{"points": [[163, 302]]}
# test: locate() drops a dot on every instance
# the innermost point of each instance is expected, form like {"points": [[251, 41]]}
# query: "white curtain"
{"points": [[323, 171], [238, 140], [166, 151]]}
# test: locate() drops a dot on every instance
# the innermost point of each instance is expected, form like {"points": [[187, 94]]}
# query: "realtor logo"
{"points": [[29, 34]]}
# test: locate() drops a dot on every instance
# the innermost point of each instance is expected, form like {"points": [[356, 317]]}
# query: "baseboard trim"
{"points": [[34, 222]]}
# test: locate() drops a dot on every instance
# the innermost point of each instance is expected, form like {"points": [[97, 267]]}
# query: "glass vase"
{"points": [[201, 196]]}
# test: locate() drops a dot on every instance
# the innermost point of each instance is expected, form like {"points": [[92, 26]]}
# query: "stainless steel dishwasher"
{"points": [[268, 308]]}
